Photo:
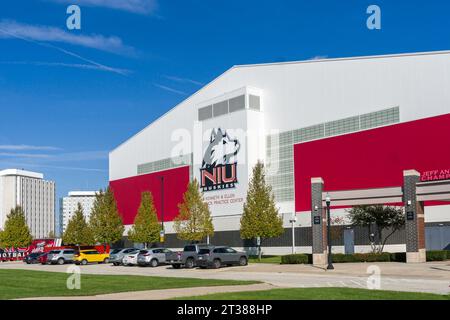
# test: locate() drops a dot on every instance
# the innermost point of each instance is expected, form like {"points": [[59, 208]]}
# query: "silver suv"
{"points": [[153, 257], [215, 257], [116, 255], [60, 256]]}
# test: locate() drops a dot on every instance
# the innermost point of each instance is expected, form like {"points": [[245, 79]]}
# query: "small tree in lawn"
{"points": [[78, 231], [146, 227], [377, 218], [194, 223], [105, 221], [337, 228], [16, 233], [260, 218]]}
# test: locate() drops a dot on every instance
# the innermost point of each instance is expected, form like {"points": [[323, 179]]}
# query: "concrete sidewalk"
{"points": [[166, 293], [432, 277], [439, 270]]}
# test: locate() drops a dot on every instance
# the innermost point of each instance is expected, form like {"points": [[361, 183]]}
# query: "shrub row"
{"points": [[398, 257], [437, 255], [296, 259], [432, 255], [361, 257]]}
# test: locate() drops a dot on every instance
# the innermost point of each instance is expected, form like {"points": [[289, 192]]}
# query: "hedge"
{"points": [[398, 257], [436, 255], [296, 259], [361, 257], [337, 258], [432, 255]]}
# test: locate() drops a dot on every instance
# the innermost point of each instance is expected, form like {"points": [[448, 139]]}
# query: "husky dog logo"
{"points": [[219, 166]]}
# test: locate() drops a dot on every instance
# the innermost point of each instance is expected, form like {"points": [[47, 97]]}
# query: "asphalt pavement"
{"points": [[432, 277]]}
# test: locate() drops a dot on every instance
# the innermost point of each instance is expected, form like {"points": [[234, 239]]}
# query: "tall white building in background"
{"points": [[34, 194], [69, 205]]}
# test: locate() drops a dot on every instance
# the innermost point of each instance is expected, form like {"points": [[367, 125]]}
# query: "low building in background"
{"points": [[34, 194], [69, 205]]}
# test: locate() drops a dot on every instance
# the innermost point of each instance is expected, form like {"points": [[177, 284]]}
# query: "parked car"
{"points": [[215, 257], [117, 255], [33, 258], [61, 256], [43, 258], [153, 257], [188, 257], [131, 259], [84, 257]]}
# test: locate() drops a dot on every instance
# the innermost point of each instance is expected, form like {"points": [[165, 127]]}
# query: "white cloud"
{"points": [[68, 65], [183, 80], [22, 147], [319, 58], [169, 89], [33, 165], [12, 29], [57, 157], [134, 6], [24, 155], [78, 156], [56, 161], [100, 66]]}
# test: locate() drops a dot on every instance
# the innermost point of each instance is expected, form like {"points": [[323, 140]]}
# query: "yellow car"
{"points": [[90, 256]]}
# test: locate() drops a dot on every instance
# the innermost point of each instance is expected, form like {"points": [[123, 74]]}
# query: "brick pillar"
{"points": [[415, 219], [318, 223]]}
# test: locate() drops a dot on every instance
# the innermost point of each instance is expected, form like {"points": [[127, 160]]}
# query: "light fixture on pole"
{"points": [[293, 220], [330, 259]]}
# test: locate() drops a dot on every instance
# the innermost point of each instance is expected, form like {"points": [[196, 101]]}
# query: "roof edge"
{"points": [[398, 55], [383, 56]]}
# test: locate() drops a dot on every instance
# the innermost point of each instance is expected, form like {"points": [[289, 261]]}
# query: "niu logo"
{"points": [[219, 166]]}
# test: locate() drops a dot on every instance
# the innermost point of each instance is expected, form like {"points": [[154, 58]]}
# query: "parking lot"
{"points": [[429, 277]]}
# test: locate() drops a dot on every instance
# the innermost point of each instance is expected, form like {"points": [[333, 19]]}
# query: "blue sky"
{"points": [[68, 97]]}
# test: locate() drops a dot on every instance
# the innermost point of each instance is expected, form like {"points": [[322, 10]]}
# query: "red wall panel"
{"points": [[373, 158], [128, 192]]}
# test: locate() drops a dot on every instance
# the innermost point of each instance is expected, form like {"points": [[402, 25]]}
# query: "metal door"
{"points": [[437, 238], [349, 241]]}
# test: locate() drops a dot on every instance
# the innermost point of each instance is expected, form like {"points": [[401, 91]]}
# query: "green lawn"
{"points": [[265, 259], [321, 294], [27, 284]]}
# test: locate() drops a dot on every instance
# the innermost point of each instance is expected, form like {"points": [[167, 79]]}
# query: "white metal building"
{"points": [[264, 112], [35, 195]]}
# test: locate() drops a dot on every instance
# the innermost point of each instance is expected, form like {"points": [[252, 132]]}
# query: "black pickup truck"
{"points": [[186, 258]]}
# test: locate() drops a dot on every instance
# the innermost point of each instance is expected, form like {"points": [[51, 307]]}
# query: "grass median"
{"points": [[265, 259], [321, 294], [16, 284]]}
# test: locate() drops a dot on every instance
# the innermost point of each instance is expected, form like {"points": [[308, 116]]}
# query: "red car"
{"points": [[43, 258]]}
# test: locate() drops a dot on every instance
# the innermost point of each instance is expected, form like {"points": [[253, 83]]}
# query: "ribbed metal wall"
{"points": [[303, 238]]}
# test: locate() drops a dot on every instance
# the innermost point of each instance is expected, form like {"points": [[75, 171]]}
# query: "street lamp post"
{"points": [[293, 220], [330, 259]]}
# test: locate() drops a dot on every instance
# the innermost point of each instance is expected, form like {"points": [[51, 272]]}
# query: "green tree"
{"points": [[16, 232], [51, 235], [105, 221], [260, 218], [78, 231], [377, 218], [146, 228], [194, 222]]}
